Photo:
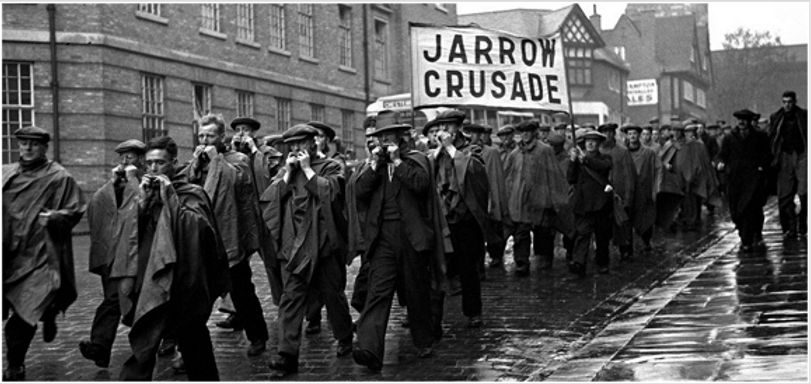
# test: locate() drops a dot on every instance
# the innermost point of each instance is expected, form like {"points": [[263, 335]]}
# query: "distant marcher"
{"points": [[746, 156], [788, 133], [623, 179], [648, 178]]}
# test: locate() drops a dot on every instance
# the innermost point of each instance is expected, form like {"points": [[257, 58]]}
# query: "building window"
{"points": [[346, 34], [704, 62], [675, 85], [150, 8], [18, 106], [381, 49], [211, 17], [316, 112], [244, 103], [688, 92], [201, 97], [620, 51], [152, 106], [348, 128], [306, 38], [701, 98], [245, 22], [278, 39], [614, 83], [692, 54], [283, 111], [580, 60]]}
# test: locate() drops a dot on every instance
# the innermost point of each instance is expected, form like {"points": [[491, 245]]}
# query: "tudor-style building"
{"points": [[596, 75], [667, 45]]}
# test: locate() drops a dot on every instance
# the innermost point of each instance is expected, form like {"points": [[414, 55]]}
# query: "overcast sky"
{"points": [[787, 20]]}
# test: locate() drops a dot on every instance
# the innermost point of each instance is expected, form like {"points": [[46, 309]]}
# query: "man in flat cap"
{"points": [[41, 204], [506, 136], [498, 213], [302, 208], [404, 243], [623, 179], [588, 174], [227, 178], [180, 270], [538, 197], [646, 138], [648, 176], [464, 190], [112, 216], [788, 132], [703, 186], [543, 132], [746, 156]]}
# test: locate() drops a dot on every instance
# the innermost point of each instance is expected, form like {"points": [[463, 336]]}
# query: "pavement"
{"points": [[725, 316], [538, 327]]}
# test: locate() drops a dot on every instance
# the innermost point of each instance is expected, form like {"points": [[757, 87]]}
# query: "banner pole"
{"points": [[568, 87]]}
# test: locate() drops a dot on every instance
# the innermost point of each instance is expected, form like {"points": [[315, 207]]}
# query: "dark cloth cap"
{"points": [[473, 128], [253, 123], [33, 133], [713, 126], [676, 126], [505, 130], [555, 139], [528, 125], [560, 126], [299, 132], [328, 131], [449, 116], [691, 127], [488, 129], [389, 128], [273, 139], [133, 145], [631, 127], [544, 127], [606, 127]]}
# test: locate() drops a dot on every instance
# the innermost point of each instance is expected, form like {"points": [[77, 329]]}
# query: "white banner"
{"points": [[472, 66], [642, 92]]}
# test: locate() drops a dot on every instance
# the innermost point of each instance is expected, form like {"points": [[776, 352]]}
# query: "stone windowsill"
{"points": [[347, 69], [308, 59], [151, 17], [214, 34], [251, 44], [278, 51]]}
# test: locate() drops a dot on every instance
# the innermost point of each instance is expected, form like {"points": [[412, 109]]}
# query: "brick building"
{"points": [[597, 76], [740, 81], [128, 71], [667, 44]]}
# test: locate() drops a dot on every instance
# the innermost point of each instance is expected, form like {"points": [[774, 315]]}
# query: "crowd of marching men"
{"points": [[422, 211]]}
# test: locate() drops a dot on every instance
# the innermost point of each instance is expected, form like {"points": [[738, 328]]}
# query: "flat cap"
{"points": [[560, 126], [473, 128], [449, 116], [249, 121], [544, 127], [328, 131], [299, 132], [133, 145], [273, 139], [691, 127], [527, 125], [631, 127], [505, 130], [745, 114], [555, 139], [607, 126], [580, 132], [676, 126], [488, 129], [390, 128], [713, 126], [592, 134], [33, 133]]}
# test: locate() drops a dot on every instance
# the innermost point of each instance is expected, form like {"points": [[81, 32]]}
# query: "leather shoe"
{"points": [[13, 373], [178, 365], [93, 352], [344, 348], [313, 328], [48, 329], [426, 352], [285, 364], [522, 269], [365, 357], [231, 322], [257, 347], [167, 347], [474, 322]]}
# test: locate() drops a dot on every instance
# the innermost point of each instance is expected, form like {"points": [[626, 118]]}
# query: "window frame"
{"points": [[345, 27], [11, 150], [244, 103], [317, 112], [348, 132], [246, 22], [284, 111], [580, 60], [278, 33], [153, 9], [688, 91], [383, 58], [156, 114], [213, 18], [306, 30]]}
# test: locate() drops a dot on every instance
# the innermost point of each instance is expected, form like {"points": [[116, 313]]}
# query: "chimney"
{"points": [[596, 20]]}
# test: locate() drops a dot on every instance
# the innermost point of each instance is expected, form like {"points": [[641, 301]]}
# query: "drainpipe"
{"points": [[54, 79], [366, 57]]}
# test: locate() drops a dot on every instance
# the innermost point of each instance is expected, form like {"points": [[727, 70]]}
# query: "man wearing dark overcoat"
{"points": [[788, 132]]}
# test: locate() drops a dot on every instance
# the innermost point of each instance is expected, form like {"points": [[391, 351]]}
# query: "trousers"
{"points": [[544, 243], [468, 251], [246, 304], [791, 180], [108, 314], [598, 224], [393, 262]]}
